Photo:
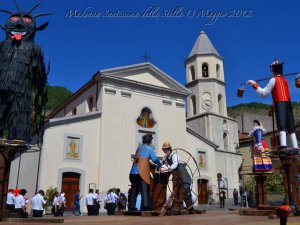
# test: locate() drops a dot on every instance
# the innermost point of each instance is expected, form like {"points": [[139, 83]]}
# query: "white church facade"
{"points": [[89, 139]]}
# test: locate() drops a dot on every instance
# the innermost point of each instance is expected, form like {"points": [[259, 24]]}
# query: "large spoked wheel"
{"points": [[192, 168]]}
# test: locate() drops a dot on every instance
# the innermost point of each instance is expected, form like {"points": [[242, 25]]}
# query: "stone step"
{"points": [[33, 220], [256, 212]]}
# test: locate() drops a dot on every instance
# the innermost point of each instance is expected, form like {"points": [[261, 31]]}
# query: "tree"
{"points": [[275, 183]]}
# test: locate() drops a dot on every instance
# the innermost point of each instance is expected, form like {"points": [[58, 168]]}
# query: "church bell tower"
{"points": [[206, 106], [205, 78]]}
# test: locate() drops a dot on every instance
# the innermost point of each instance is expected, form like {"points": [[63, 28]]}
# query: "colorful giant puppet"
{"points": [[261, 159], [279, 88], [23, 76], [140, 174]]}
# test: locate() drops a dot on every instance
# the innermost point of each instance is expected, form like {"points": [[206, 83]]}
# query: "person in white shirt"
{"points": [[89, 202], [37, 203], [55, 205], [62, 203], [97, 200], [10, 200], [111, 202], [20, 202]]}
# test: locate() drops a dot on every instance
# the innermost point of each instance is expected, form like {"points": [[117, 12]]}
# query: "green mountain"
{"points": [[260, 109], [56, 96]]}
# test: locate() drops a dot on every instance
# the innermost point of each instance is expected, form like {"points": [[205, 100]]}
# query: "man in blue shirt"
{"points": [[140, 174], [77, 203]]}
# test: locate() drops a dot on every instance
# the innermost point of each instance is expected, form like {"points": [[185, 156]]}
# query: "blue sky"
{"points": [[79, 47]]}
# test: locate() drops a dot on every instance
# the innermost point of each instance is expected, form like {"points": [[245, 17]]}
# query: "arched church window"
{"points": [[193, 105], [225, 140], [74, 111], [192, 73], [218, 71], [205, 70], [224, 124], [146, 119], [220, 102], [90, 103]]}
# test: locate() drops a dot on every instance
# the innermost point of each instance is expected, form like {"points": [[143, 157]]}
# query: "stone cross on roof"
{"points": [[146, 57]]}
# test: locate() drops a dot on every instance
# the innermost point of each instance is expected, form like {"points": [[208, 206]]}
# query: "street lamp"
{"points": [[219, 176]]}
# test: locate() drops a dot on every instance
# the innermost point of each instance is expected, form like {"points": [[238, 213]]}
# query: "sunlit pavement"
{"points": [[218, 217]]}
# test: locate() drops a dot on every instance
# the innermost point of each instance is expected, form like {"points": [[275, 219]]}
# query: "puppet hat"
{"points": [[276, 67], [166, 145]]}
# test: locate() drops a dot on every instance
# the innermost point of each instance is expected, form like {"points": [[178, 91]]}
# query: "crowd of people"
{"points": [[114, 200], [17, 202]]}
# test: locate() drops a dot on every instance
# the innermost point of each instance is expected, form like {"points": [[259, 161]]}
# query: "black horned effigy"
{"points": [[23, 75], [23, 89]]}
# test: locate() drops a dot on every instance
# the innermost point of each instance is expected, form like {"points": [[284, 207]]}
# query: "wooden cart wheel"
{"points": [[192, 168]]}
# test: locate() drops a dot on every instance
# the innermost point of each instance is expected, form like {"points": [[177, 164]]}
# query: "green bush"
{"points": [[275, 183], [49, 195]]}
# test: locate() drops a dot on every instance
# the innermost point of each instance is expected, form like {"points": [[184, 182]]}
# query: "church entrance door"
{"points": [[202, 191], [70, 185]]}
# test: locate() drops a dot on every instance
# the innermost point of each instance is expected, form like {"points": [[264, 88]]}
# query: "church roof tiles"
{"points": [[203, 46]]}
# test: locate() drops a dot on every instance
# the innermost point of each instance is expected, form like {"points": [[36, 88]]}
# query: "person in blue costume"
{"points": [[140, 174], [257, 133]]}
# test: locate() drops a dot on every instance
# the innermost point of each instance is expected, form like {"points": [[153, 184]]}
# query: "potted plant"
{"points": [[49, 198], [210, 197]]}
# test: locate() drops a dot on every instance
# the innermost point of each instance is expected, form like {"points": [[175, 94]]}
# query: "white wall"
{"points": [[228, 165], [53, 153], [193, 145], [119, 131], [27, 165]]}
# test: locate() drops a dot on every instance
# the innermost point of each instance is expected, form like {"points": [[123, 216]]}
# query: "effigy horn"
{"points": [[42, 14], [6, 11], [34, 7], [18, 6]]}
